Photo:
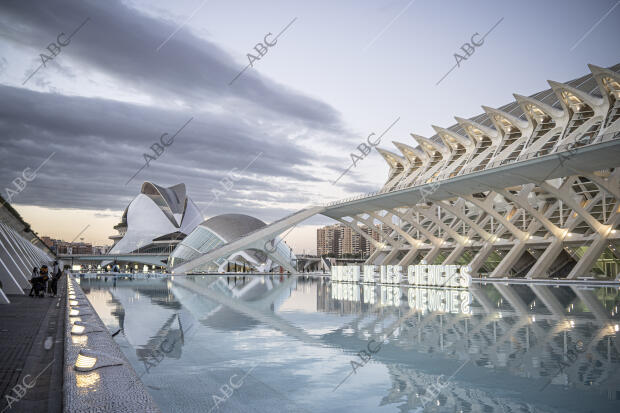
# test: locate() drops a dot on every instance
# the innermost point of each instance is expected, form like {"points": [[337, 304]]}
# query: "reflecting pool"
{"points": [[286, 343]]}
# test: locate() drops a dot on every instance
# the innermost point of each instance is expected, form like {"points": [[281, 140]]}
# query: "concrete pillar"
{"points": [[4, 231], [374, 256], [7, 243], [34, 252], [19, 242], [480, 258], [26, 255], [3, 298], [33, 256], [432, 254], [388, 258], [454, 255], [509, 260], [409, 257], [540, 268], [11, 264], [595, 250], [9, 285]]}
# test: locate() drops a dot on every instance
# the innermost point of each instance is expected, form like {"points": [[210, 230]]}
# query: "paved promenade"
{"points": [[31, 353]]}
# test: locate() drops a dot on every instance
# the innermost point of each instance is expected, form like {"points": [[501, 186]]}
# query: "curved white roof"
{"points": [[232, 226], [155, 212]]}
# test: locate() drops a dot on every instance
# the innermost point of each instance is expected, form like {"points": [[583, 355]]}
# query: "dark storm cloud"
{"points": [[122, 42], [99, 144]]}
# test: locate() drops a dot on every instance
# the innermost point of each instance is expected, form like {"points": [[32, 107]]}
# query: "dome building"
{"points": [[222, 229]]}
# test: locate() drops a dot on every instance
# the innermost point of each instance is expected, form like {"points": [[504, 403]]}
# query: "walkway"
{"points": [[31, 345]]}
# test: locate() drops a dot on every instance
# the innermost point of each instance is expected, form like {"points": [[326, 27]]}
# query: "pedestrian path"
{"points": [[31, 353]]}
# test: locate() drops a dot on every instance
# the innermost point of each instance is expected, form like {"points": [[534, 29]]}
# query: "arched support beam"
{"points": [[23, 267], [413, 221], [458, 238], [412, 253], [611, 185], [353, 225], [488, 246], [573, 101], [21, 245], [488, 208], [432, 150], [554, 249], [584, 265], [37, 255], [544, 262], [454, 210], [15, 269], [377, 245], [437, 242], [9, 284], [414, 156], [3, 298], [398, 168], [370, 224], [380, 248], [523, 203], [567, 196], [412, 241]]}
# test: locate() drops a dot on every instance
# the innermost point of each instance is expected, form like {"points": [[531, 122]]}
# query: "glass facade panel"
{"points": [[201, 240]]}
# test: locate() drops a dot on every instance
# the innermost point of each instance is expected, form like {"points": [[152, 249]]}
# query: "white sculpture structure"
{"points": [[530, 190]]}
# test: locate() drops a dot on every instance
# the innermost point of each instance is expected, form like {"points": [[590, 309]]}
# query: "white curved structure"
{"points": [[155, 213], [20, 251], [531, 189], [223, 229]]}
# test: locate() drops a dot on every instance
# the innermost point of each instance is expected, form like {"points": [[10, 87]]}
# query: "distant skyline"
{"points": [[135, 70]]}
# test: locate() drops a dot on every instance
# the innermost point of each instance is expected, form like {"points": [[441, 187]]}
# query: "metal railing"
{"points": [[565, 147]]}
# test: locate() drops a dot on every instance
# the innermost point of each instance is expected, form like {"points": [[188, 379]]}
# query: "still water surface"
{"points": [[270, 344]]}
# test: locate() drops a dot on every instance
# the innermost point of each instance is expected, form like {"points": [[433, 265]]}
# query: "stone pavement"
{"points": [[31, 352]]}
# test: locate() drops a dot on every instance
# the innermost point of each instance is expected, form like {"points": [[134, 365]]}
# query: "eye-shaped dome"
{"points": [[220, 230]]}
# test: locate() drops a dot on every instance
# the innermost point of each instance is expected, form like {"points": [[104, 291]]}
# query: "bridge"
{"points": [[142, 258]]}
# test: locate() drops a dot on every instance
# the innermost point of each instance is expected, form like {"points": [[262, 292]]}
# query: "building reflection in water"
{"points": [[528, 347], [566, 337]]}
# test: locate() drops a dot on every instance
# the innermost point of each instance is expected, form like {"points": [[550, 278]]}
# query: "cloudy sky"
{"points": [[131, 71]]}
